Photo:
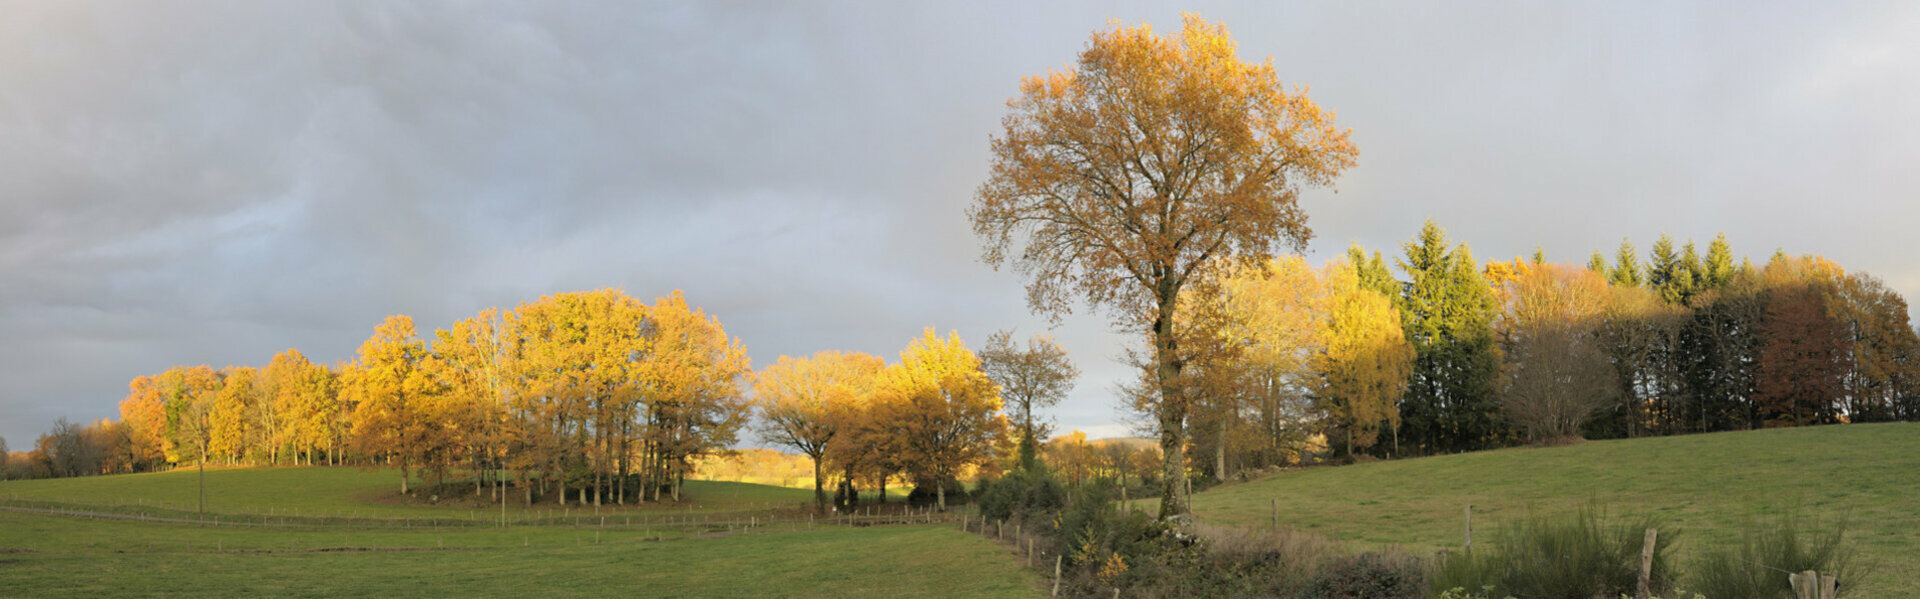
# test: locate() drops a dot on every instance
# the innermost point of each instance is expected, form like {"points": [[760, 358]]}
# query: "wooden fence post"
{"points": [[1468, 547], [1646, 565], [1057, 561], [1276, 514]]}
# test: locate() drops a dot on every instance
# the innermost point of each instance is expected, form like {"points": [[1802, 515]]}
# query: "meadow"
{"points": [[340, 532], [1705, 488]]}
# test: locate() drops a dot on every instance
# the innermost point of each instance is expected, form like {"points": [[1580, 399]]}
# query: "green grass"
{"points": [[1706, 486], [53, 556], [350, 492]]}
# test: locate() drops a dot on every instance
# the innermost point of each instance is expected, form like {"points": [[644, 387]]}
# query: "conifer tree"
{"points": [[1626, 266], [1719, 268], [1447, 311]]}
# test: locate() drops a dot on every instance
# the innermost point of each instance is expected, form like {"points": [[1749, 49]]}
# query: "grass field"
{"points": [[453, 549], [1703, 486], [346, 491], [50, 556]]}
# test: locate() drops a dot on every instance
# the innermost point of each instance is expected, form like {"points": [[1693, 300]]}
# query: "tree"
{"points": [[1669, 273], [1557, 373], [943, 412], [806, 403], [385, 384], [1626, 266], [1447, 310], [1254, 374], [1037, 376], [694, 375], [1806, 350], [1367, 360], [189, 395], [231, 418], [1119, 180]]}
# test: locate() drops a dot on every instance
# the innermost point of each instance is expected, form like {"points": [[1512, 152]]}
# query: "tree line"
{"points": [[1458, 355], [588, 396], [591, 397]]}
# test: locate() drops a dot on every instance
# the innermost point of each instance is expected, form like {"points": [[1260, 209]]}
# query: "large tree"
{"points": [[386, 386], [806, 403], [1038, 375], [1557, 373], [1120, 179], [1447, 310], [1364, 367], [941, 410]]}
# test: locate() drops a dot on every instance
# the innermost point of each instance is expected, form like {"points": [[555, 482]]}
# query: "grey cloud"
{"points": [[214, 182]]}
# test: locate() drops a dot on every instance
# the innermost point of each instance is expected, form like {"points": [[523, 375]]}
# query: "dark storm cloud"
{"points": [[215, 182]]}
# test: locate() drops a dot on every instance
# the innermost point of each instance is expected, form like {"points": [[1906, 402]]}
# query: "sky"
{"points": [[193, 182]]}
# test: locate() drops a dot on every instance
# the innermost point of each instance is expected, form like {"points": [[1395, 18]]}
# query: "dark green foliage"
{"points": [[1757, 567], [1369, 576], [1447, 309], [1669, 273], [1024, 493], [924, 495], [1576, 556]]}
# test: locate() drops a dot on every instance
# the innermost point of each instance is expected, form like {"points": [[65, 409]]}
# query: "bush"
{"points": [[1757, 566], [1369, 576], [1029, 494], [925, 494], [1567, 557]]}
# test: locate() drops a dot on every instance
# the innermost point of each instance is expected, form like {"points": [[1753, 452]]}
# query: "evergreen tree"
{"points": [[1719, 268], [1668, 273], [1372, 272], [1447, 311], [1626, 266], [1598, 263]]}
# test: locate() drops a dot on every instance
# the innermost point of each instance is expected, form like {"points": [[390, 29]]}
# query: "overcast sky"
{"points": [[212, 183]]}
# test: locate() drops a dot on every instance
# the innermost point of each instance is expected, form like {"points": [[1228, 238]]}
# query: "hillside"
{"points": [[1704, 486]]}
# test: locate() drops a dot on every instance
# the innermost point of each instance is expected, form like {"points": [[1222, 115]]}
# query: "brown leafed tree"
{"points": [[1557, 371], [1036, 376], [806, 403], [1119, 180]]}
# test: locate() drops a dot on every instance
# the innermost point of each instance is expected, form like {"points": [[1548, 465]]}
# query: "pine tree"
{"points": [[1719, 268], [1626, 266], [1447, 311], [1668, 273], [1598, 264]]}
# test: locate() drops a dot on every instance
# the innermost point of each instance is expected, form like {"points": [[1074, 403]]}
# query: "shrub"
{"points": [[1577, 556], [925, 494], [1029, 494], [1757, 566], [1369, 576]]}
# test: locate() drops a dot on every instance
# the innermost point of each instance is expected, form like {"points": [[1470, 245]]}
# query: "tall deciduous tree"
{"points": [[1557, 374], [806, 403], [1367, 360], [386, 385], [1119, 180], [1036, 376], [695, 377], [942, 410]]}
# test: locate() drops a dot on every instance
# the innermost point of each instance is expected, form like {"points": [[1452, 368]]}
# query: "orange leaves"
{"points": [[1152, 157]]}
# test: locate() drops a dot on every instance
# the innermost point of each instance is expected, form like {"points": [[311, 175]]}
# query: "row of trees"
{"points": [[929, 416], [1459, 355], [591, 392], [590, 395], [1148, 177]]}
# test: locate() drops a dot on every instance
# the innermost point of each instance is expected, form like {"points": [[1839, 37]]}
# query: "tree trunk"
{"points": [[940, 491], [819, 486], [1220, 452], [1172, 412]]}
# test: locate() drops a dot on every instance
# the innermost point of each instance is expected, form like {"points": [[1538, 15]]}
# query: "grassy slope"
{"points": [[1703, 485], [90, 558], [332, 491]]}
